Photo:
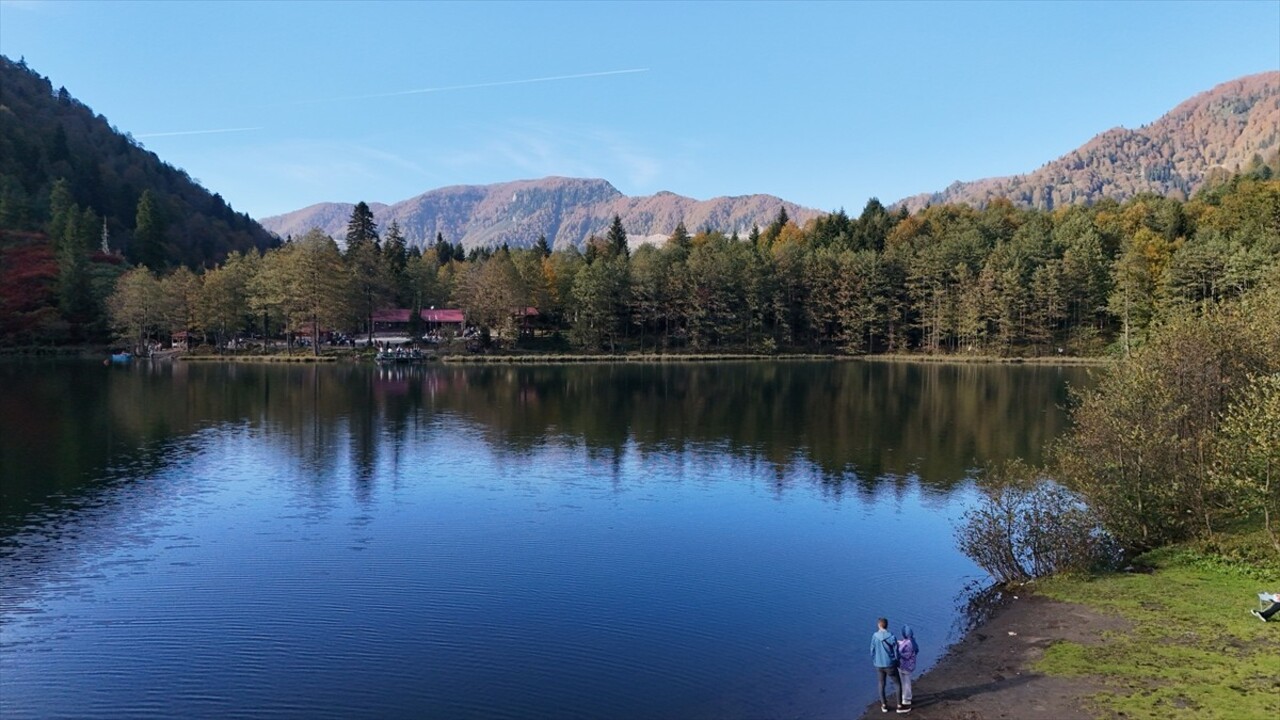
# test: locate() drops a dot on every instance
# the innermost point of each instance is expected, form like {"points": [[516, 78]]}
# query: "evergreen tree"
{"points": [[395, 255], [72, 245], [680, 238], [149, 233], [444, 251], [361, 228], [395, 249], [369, 267], [542, 247], [872, 227], [15, 210], [617, 238], [775, 228], [600, 295], [61, 207], [592, 251]]}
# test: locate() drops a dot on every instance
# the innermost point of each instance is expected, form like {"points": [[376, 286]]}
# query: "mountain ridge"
{"points": [[566, 210], [1217, 130]]}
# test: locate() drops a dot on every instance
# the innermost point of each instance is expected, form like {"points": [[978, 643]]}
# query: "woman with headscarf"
{"points": [[907, 650]]}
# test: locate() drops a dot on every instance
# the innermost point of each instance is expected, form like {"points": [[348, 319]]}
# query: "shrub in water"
{"points": [[1029, 526]]}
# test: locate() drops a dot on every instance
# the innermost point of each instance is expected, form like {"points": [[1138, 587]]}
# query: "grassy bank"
{"points": [[1193, 649], [989, 359]]}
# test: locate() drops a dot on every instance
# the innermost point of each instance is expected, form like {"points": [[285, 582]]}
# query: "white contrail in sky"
{"points": [[400, 93], [484, 85], [195, 132]]}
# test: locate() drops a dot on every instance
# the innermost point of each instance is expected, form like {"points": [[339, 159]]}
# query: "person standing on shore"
{"points": [[907, 650], [884, 656]]}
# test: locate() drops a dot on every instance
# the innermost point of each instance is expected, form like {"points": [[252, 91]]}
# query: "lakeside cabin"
{"points": [[394, 323], [442, 320]]}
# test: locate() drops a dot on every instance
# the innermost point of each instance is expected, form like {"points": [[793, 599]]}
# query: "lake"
{"points": [[615, 540]]}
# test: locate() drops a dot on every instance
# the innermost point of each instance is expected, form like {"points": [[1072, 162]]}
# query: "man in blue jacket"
{"points": [[884, 655]]}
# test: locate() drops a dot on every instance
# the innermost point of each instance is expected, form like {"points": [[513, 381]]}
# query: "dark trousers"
{"points": [[891, 674], [1266, 614]]}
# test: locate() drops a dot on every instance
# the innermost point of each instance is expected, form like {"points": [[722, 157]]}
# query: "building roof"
{"points": [[402, 315], [441, 315]]}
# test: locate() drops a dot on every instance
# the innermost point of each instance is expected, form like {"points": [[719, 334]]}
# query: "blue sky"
{"points": [[825, 104]]}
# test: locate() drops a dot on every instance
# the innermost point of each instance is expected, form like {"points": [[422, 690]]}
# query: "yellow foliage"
{"points": [[790, 235], [905, 231]]}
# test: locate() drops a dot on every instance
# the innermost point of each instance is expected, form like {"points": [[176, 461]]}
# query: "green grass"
{"points": [[965, 359], [1193, 650]]}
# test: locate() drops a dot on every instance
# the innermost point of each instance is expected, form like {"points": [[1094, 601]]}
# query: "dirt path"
{"points": [[987, 675]]}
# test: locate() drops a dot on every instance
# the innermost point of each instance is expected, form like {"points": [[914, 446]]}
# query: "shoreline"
{"points": [[572, 359], [990, 671], [566, 359], [95, 353], [1094, 361]]}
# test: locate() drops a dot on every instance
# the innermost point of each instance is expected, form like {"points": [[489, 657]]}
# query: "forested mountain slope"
{"points": [[1221, 131], [47, 135], [567, 211]]}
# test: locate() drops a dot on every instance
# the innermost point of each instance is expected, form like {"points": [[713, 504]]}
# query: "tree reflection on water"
{"points": [[857, 425]]}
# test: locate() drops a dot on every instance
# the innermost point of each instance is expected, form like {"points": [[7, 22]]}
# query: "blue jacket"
{"points": [[884, 649]]}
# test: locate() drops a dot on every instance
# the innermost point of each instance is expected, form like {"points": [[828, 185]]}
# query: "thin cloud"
{"points": [[195, 132], [474, 86]]}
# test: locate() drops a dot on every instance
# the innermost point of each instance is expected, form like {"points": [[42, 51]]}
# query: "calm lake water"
{"points": [[621, 541]]}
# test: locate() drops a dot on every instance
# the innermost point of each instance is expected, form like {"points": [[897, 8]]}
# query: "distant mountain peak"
{"points": [[566, 210]]}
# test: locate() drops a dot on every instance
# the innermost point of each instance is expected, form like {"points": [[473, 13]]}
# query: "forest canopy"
{"points": [[947, 279], [47, 136]]}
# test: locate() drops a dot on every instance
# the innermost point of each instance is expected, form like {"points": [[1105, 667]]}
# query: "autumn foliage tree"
{"points": [[137, 308], [1149, 446]]}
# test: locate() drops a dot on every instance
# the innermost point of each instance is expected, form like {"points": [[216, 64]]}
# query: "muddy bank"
{"points": [[988, 673]]}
